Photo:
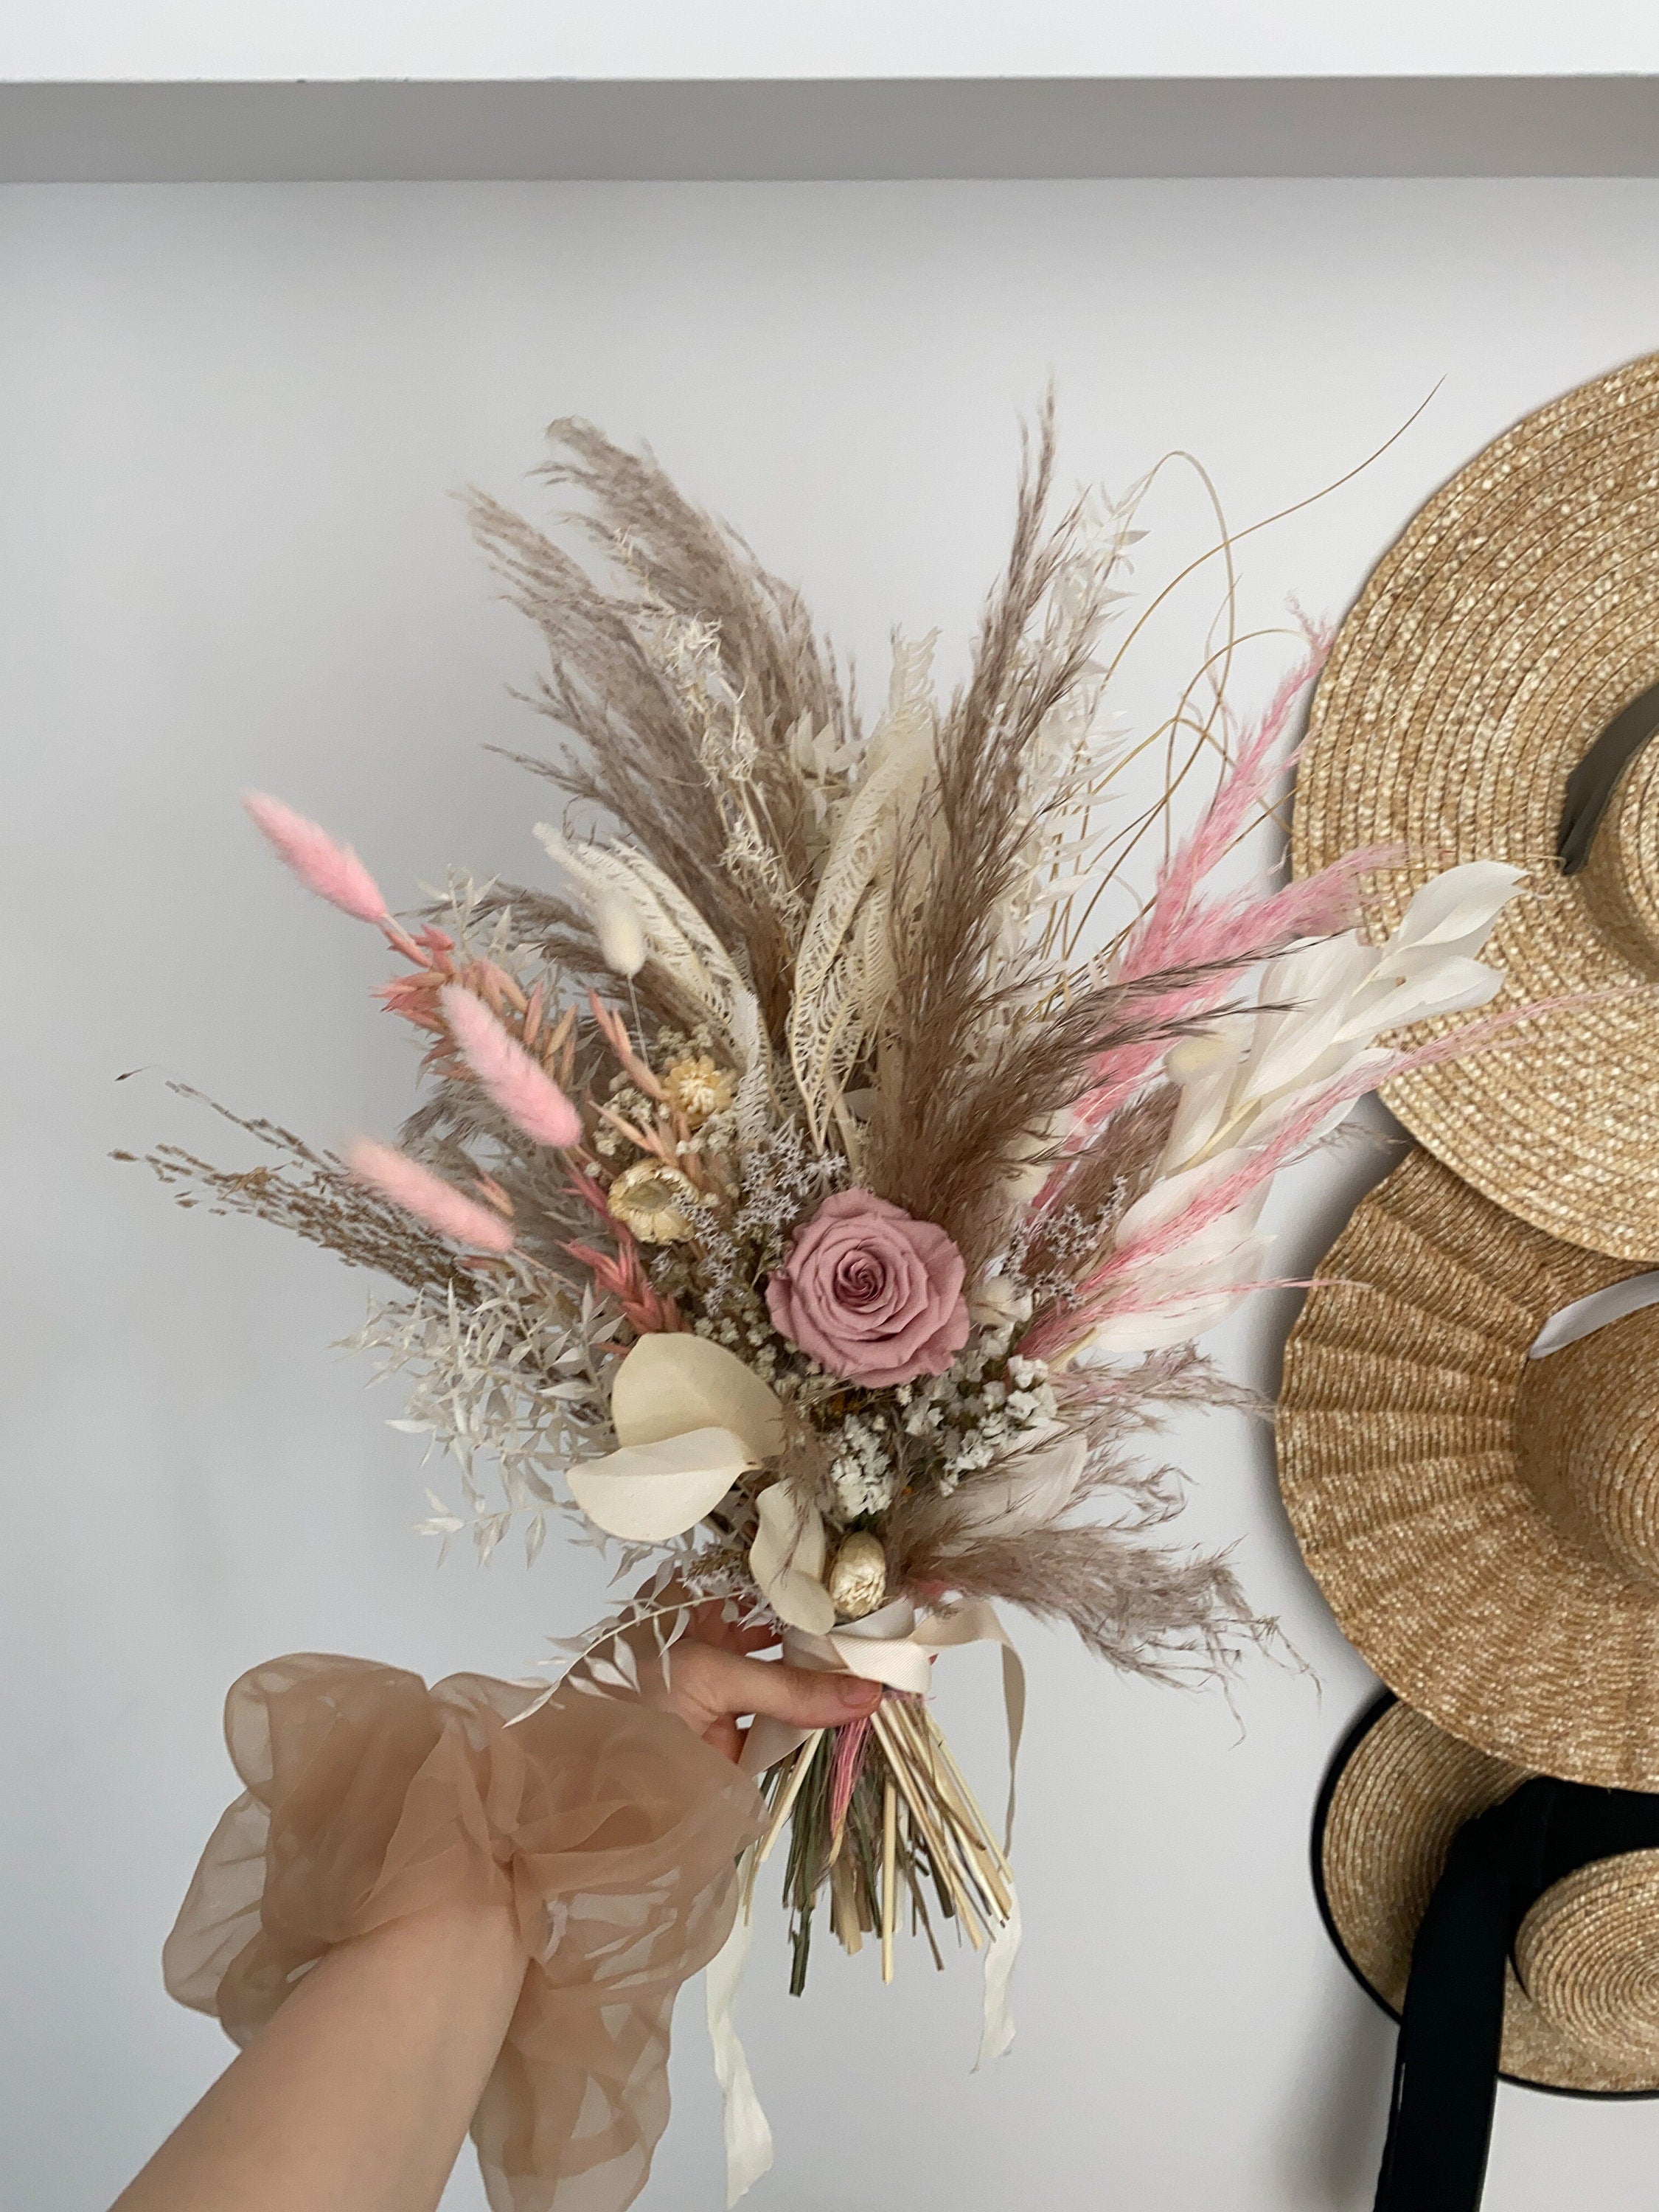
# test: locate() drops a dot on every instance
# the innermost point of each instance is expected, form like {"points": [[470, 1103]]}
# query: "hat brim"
{"points": [[1397, 1792], [1515, 616], [1399, 1466]]}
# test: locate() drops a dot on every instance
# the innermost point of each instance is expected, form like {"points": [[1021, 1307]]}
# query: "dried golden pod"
{"points": [[655, 1202], [858, 1580]]}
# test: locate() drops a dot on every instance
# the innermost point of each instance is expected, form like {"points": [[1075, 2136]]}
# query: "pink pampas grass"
{"points": [[520, 1085], [1244, 792], [428, 1197], [333, 872], [1111, 1286]]}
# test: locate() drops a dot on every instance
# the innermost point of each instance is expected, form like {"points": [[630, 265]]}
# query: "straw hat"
{"points": [[1485, 1526], [1513, 623], [1581, 2010]]}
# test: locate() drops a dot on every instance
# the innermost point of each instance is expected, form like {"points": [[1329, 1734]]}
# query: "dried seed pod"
{"points": [[655, 1202], [858, 1580]]}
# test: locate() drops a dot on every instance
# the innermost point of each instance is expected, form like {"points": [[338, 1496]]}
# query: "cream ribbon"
{"points": [[897, 1646], [748, 2135]]}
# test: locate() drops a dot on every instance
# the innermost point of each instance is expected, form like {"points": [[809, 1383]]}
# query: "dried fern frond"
{"points": [[845, 972]]}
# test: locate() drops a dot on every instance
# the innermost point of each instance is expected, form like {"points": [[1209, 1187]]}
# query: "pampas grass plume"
{"points": [[428, 1197], [333, 872], [526, 1093]]}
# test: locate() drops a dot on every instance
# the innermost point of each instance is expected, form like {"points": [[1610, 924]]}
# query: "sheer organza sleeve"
{"points": [[608, 1827]]}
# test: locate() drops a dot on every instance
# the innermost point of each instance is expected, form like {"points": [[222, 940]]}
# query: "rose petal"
{"points": [[871, 1294]]}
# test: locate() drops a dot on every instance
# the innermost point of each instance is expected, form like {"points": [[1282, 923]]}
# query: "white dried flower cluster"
{"points": [[785, 1181], [988, 1403], [622, 1096], [1068, 1239], [864, 1472]]}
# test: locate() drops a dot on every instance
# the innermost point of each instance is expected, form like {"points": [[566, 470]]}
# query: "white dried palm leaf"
{"points": [[755, 1109], [678, 939], [842, 979]]}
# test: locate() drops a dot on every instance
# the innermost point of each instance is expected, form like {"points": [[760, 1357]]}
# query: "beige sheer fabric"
{"points": [[610, 1827]]}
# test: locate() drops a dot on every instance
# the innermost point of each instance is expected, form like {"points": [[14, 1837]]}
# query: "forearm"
{"points": [[358, 2095]]}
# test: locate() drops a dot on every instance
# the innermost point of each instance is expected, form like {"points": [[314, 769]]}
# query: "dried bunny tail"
{"points": [[333, 872], [520, 1085], [678, 940], [563, 937], [428, 1197], [621, 933]]}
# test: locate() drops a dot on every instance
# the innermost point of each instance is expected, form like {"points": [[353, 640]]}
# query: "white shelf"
{"points": [[273, 40]]}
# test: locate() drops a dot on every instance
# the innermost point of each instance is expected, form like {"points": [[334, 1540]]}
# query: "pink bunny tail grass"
{"points": [[428, 1197], [333, 872], [520, 1085]]}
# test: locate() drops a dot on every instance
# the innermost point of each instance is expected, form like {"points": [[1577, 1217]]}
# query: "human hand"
{"points": [[712, 1677]]}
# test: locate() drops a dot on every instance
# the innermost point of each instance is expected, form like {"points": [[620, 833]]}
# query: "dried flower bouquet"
{"points": [[796, 1204]]}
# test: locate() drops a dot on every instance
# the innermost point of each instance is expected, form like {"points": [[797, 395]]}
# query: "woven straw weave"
{"points": [[1485, 1527], [1582, 2012], [1516, 616]]}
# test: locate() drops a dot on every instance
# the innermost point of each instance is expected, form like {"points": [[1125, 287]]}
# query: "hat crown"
{"points": [[1621, 878], [1587, 1437], [1587, 1956]]}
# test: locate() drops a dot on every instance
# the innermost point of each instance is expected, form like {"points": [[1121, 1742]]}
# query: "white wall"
{"points": [[320, 38], [230, 419]]}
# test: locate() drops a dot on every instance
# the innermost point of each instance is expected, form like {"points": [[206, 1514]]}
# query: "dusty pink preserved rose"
{"points": [[870, 1293]]}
